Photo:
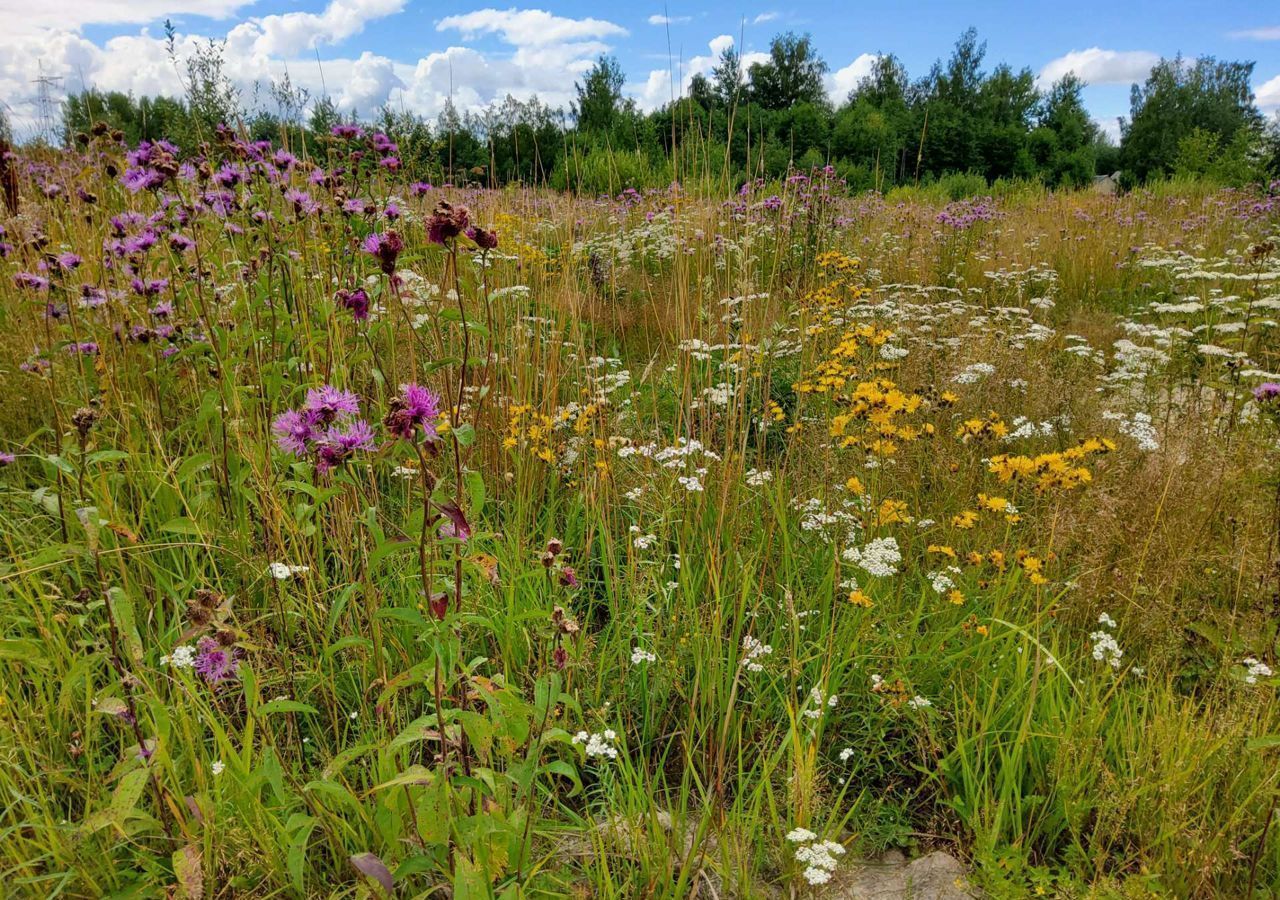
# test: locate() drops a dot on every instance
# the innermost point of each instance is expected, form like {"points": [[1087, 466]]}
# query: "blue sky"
{"points": [[414, 53]]}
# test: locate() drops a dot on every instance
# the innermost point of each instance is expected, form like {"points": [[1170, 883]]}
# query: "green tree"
{"points": [[600, 97], [793, 74], [1177, 98]]}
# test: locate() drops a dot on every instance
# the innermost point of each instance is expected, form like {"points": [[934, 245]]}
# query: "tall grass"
{"points": [[676, 438]]}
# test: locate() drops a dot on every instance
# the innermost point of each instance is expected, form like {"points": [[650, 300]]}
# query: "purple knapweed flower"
{"points": [[339, 443], [215, 663], [1267, 392], [294, 431], [386, 247], [447, 222], [356, 302], [327, 404], [416, 407]]}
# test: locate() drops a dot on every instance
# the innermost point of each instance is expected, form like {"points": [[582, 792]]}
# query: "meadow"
{"points": [[364, 537]]}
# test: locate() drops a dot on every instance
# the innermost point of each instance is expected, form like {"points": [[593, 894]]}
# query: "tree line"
{"points": [[1192, 118]]}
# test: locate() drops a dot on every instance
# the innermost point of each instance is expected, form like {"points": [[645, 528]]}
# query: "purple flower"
{"points": [[293, 431], [386, 247], [339, 443], [447, 222], [180, 243], [31, 282], [326, 404], [67, 262], [6, 459], [356, 301], [214, 663], [1266, 392], [485, 240], [416, 407], [418, 188]]}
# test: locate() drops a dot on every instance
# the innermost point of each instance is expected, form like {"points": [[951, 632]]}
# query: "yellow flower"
{"points": [[858, 598], [965, 520], [955, 597]]}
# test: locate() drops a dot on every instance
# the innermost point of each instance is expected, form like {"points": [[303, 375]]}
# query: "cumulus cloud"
{"points": [[527, 27], [258, 50], [1098, 66], [1267, 96], [842, 81], [288, 34], [656, 89]]}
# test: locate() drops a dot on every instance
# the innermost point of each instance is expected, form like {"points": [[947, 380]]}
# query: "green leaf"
{"points": [[282, 705], [182, 525]]}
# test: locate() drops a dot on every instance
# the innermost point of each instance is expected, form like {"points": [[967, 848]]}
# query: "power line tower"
{"points": [[45, 87]]}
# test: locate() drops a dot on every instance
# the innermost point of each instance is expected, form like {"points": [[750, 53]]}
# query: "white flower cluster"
{"points": [[1105, 647], [975, 372], [880, 557], [758, 477], [642, 656], [183, 657], [642, 541], [918, 702], [753, 652], [284, 571], [598, 745], [820, 703], [691, 483], [818, 857], [1255, 669]]}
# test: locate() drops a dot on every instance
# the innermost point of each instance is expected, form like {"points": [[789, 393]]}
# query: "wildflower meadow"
{"points": [[371, 537]]}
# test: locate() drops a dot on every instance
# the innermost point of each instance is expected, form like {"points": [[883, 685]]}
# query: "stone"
{"points": [[936, 876]]}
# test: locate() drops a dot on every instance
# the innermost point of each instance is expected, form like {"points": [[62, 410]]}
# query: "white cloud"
{"points": [[529, 27], [656, 88], [1098, 66], [549, 53], [669, 20], [288, 34], [842, 81], [1267, 96], [765, 17], [1271, 33]]}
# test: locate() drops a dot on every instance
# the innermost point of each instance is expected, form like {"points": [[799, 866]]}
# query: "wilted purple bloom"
{"points": [[484, 239], [447, 222]]}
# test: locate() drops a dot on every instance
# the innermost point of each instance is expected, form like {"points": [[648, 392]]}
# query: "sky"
{"points": [[415, 54]]}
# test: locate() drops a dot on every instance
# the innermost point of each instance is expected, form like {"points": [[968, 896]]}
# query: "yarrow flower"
{"points": [[818, 857], [642, 656], [599, 746], [1106, 649], [753, 652], [1255, 669]]}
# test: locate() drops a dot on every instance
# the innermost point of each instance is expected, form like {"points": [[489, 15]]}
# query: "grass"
{"points": [[738, 516]]}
